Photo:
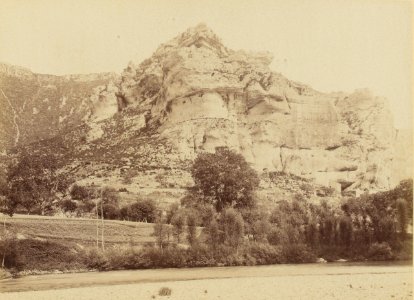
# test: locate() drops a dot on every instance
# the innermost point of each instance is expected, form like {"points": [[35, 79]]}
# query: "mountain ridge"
{"points": [[194, 95]]}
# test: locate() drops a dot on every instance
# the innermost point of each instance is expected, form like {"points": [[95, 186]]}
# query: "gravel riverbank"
{"points": [[389, 285]]}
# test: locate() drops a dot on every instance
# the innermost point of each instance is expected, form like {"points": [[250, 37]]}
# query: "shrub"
{"points": [[68, 205], [171, 211], [380, 252], [213, 234], [161, 231], [128, 175], [178, 223], [78, 192], [85, 206], [402, 216], [9, 250], [110, 211], [123, 213], [121, 258], [168, 257], [265, 254], [142, 211], [109, 195], [297, 253], [164, 291], [94, 259], [345, 230], [33, 254], [191, 229], [260, 230], [232, 225], [200, 256]]}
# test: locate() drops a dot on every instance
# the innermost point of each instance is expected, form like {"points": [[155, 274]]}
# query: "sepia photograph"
{"points": [[190, 150]]}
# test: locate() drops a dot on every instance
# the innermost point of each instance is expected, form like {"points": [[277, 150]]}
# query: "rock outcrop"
{"points": [[202, 95], [193, 95]]}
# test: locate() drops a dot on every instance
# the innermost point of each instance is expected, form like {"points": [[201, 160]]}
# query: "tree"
{"points": [[160, 232], [178, 223], [78, 192], [225, 179], [312, 237], [290, 218], [402, 214], [345, 230], [172, 210], [232, 226], [405, 191], [109, 195], [68, 205], [110, 211], [142, 211], [260, 230], [191, 229], [34, 181], [213, 234], [256, 223]]}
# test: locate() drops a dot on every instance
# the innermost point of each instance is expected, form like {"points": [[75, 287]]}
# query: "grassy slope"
{"points": [[79, 231]]}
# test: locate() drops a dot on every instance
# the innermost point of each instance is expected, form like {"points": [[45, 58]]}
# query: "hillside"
{"points": [[38, 106], [142, 130]]}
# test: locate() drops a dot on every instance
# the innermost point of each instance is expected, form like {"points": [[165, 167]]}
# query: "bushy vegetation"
{"points": [[34, 183], [219, 223], [31, 254], [224, 178]]}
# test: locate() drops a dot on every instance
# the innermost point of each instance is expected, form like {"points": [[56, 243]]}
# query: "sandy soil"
{"points": [[356, 286]]}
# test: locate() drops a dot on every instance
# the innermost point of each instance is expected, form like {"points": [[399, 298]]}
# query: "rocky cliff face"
{"points": [[38, 106], [194, 95], [202, 95]]}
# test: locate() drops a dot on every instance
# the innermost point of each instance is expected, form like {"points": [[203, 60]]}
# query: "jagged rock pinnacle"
{"points": [[198, 36]]}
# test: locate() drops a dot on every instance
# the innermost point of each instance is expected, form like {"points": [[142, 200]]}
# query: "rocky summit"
{"points": [[143, 128]]}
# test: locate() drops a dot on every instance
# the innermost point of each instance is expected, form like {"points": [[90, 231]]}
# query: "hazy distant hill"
{"points": [[37, 106]]}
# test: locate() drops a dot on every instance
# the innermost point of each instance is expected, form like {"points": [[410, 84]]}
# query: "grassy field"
{"points": [[79, 231]]}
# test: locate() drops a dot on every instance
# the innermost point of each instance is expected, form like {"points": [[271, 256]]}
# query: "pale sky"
{"points": [[329, 45]]}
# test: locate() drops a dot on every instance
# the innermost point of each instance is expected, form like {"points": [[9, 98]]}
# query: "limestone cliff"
{"points": [[141, 130], [202, 95]]}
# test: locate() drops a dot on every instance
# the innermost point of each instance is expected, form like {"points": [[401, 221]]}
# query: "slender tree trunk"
{"points": [[102, 230], [5, 242], [97, 226]]}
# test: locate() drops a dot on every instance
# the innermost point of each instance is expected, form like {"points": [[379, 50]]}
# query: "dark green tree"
{"points": [[225, 179], [142, 211], [161, 232], [178, 223], [109, 195], [78, 192], [232, 225], [68, 205], [191, 229], [402, 215], [35, 181]]}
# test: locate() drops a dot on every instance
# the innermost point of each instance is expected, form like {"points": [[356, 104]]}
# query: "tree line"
{"points": [[220, 222], [222, 202]]}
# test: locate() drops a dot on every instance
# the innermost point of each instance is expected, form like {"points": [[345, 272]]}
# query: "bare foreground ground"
{"points": [[330, 281]]}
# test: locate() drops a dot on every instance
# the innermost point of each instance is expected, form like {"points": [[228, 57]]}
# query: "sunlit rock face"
{"points": [[203, 95], [194, 95]]}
